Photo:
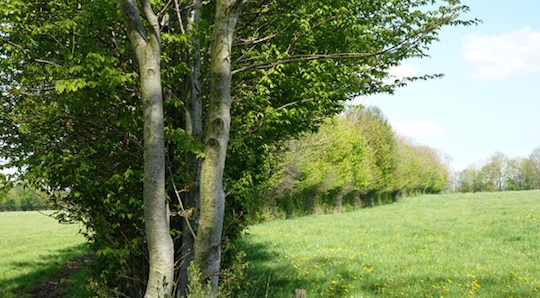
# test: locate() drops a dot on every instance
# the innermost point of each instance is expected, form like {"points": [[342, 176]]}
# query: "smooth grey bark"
{"points": [[208, 241], [159, 241], [194, 128]]}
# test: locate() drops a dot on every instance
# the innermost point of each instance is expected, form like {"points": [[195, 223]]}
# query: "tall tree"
{"points": [[156, 218], [207, 247]]}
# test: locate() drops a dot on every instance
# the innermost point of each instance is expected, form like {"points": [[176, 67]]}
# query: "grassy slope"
{"points": [[33, 248], [459, 245]]}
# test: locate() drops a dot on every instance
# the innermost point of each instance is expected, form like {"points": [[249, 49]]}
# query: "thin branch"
{"points": [[179, 16], [177, 193], [73, 44], [164, 8], [47, 62], [406, 42], [295, 102], [310, 57], [244, 42], [14, 45], [258, 12]]}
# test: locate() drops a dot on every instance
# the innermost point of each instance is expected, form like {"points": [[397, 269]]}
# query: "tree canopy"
{"points": [[72, 116], [354, 156]]}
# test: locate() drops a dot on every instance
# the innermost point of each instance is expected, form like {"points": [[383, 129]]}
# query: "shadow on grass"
{"points": [[39, 271]]}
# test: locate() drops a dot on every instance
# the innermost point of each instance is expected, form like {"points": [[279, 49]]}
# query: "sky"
{"points": [[489, 99]]}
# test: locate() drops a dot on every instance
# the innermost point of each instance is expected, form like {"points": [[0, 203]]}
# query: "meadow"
{"points": [[33, 249], [456, 245]]}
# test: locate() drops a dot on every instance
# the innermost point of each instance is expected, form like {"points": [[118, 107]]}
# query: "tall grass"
{"points": [[459, 245], [33, 248]]}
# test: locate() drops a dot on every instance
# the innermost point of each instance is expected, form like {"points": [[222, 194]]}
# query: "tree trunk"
{"points": [[193, 112], [208, 241], [159, 241]]}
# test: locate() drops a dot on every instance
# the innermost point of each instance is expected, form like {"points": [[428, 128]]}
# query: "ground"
{"points": [[55, 288]]}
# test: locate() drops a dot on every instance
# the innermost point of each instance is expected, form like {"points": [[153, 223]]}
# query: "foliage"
{"points": [[420, 169], [234, 279], [406, 249], [71, 118], [354, 157]]}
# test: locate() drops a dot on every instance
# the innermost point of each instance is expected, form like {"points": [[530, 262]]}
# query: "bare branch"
{"points": [[177, 193], [177, 8], [295, 102], [160, 13], [47, 62], [244, 42], [14, 45]]}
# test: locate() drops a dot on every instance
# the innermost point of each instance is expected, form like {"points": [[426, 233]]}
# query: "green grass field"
{"points": [[459, 245], [33, 248]]}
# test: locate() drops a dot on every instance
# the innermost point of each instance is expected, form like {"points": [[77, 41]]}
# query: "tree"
{"points": [[294, 64], [420, 169], [53, 125], [148, 52], [207, 246], [468, 180], [514, 175], [530, 169], [496, 171]]}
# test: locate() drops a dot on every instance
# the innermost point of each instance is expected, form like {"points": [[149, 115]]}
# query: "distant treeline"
{"points": [[354, 160], [19, 198], [500, 173]]}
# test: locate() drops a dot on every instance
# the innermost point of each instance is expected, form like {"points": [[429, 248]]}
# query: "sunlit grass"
{"points": [[460, 245], [33, 248]]}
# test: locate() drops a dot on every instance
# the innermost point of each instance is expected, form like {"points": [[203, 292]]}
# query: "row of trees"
{"points": [[501, 173], [92, 88], [354, 160], [19, 198]]}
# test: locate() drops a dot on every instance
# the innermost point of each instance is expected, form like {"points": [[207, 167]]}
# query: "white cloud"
{"points": [[495, 57], [417, 128]]}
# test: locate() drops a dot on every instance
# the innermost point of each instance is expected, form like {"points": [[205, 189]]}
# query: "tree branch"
{"points": [[310, 57], [185, 216], [244, 42], [47, 62], [151, 17], [135, 28]]}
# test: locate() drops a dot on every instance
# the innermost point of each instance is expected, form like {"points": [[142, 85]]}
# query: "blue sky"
{"points": [[489, 99]]}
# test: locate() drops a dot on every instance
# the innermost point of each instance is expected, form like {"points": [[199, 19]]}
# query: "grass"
{"points": [[33, 249], [458, 245]]}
